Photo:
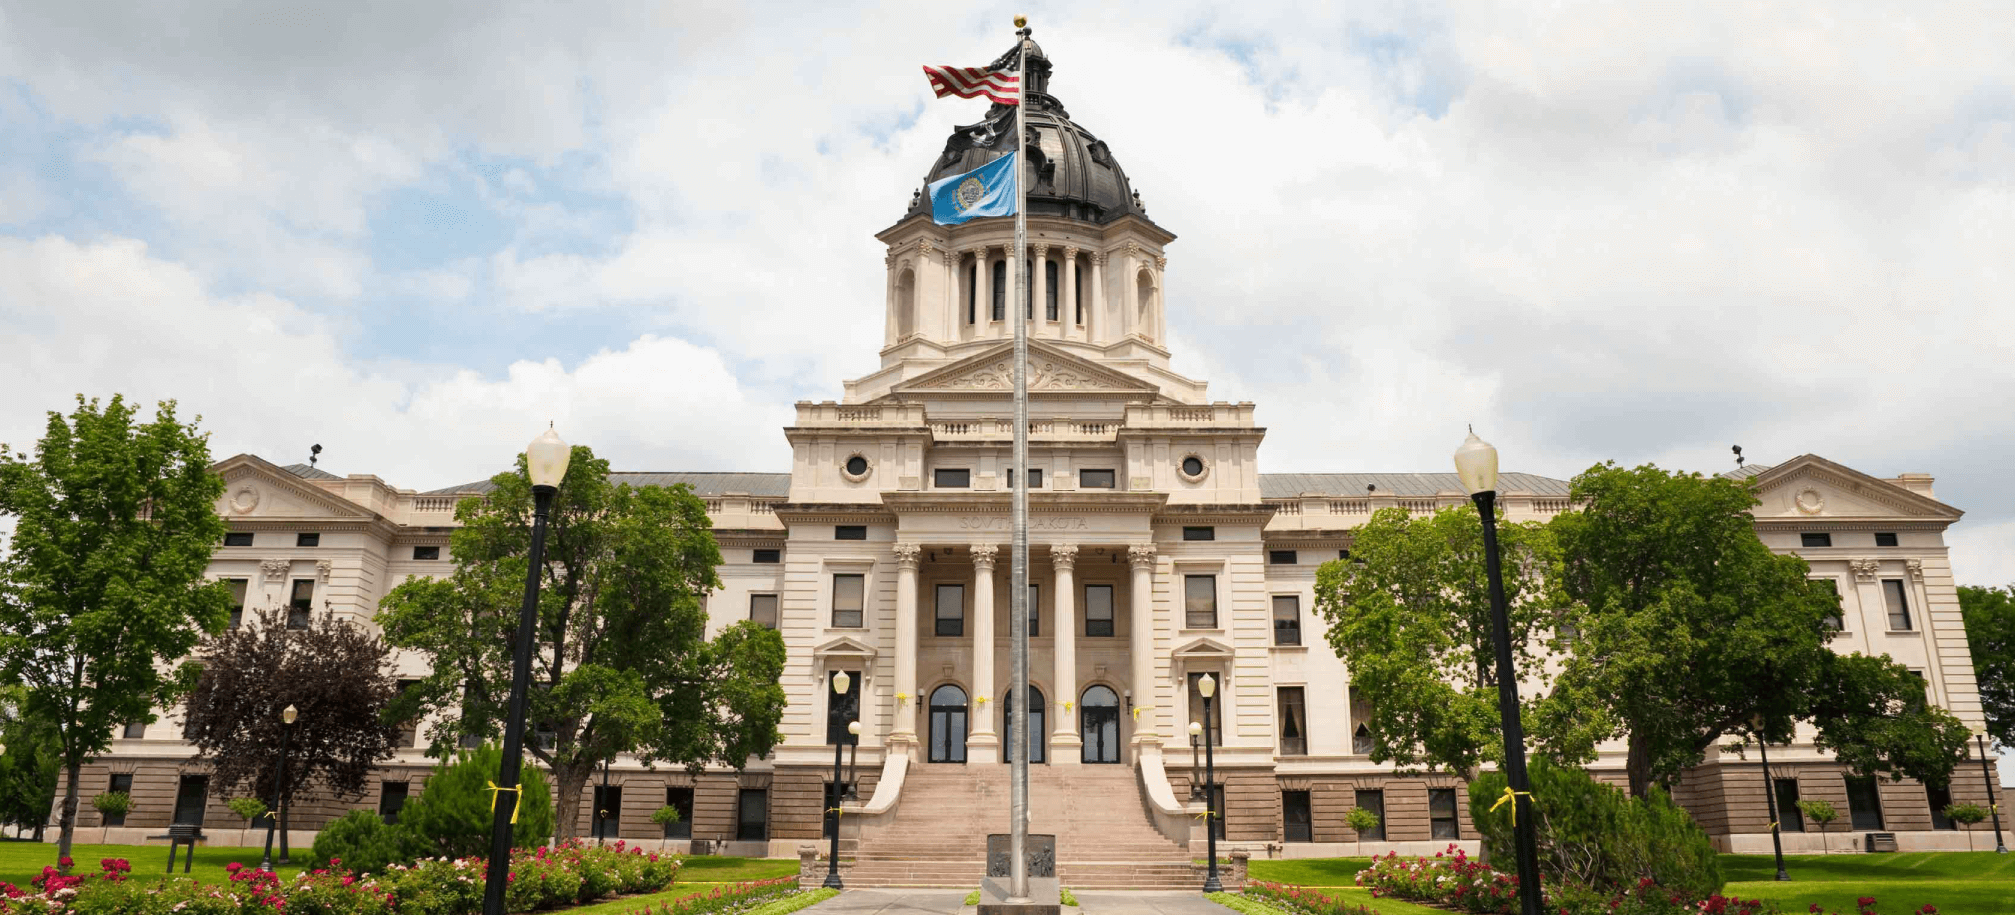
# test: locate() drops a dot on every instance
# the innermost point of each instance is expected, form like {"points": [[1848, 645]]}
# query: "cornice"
{"points": [[831, 513], [1228, 514], [1099, 502], [1821, 523]]}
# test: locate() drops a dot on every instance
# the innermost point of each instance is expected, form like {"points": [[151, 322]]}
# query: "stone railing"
{"points": [[1217, 415], [828, 413], [991, 428]]}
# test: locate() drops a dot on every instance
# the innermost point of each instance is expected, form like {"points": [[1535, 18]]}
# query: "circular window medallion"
{"points": [[1811, 502], [244, 500], [1193, 467], [856, 468]]}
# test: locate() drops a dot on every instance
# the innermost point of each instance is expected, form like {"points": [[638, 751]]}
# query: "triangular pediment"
{"points": [[1810, 486], [1204, 648], [844, 646], [1051, 371], [255, 488]]}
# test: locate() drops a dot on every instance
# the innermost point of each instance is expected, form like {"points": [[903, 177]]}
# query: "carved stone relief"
{"points": [[1864, 569], [275, 569]]}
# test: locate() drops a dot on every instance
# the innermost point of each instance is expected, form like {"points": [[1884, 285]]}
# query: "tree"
{"points": [[1990, 636], [102, 594], [1409, 614], [1822, 813], [28, 764], [622, 663], [335, 674], [1691, 628]]}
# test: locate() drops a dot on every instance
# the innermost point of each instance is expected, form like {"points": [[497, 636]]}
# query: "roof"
{"points": [[308, 472], [1289, 485], [1746, 471], [767, 485]]}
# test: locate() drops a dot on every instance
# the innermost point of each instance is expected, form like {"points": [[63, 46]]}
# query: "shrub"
{"points": [[1453, 880], [1593, 834], [247, 808], [665, 816], [1360, 820], [1968, 814], [113, 803], [361, 843], [452, 814]]}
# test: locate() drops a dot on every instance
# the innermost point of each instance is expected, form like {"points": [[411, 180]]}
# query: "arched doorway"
{"points": [[948, 724], [1037, 726], [1098, 725]]}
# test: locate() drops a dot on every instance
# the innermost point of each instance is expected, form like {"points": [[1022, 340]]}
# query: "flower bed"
{"points": [[730, 900], [548, 877]]}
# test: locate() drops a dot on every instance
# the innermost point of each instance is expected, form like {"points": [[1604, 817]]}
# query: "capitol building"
{"points": [[1160, 551]]}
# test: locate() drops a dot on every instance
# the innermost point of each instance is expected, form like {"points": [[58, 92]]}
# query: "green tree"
{"points": [[622, 662], [1409, 614], [1990, 636], [29, 760], [102, 594], [453, 814], [1691, 629]]}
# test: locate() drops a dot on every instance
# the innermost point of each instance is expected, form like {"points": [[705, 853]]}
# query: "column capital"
{"points": [[907, 555], [1098, 258], [1141, 555], [1040, 248], [1070, 252], [983, 556], [1063, 555]]}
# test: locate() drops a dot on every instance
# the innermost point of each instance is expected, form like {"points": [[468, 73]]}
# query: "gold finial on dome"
{"points": [[1021, 22]]}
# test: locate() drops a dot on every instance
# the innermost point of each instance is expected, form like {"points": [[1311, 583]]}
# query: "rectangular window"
{"points": [[1034, 611], [1441, 820], [1899, 605], [1940, 799], [1296, 823], [849, 600], [1000, 291], [1374, 801], [681, 800], [1078, 272], [952, 478], [191, 796], [608, 812], [426, 553], [951, 611], [1216, 706], [1097, 479], [767, 557], [409, 733], [752, 814], [120, 783], [1199, 601], [135, 730], [1034, 478], [850, 532], [1098, 611], [1293, 722], [1281, 557], [763, 610], [1343, 554], [1199, 533], [1864, 803], [1049, 291], [1286, 619], [1360, 712], [1832, 620], [1789, 817], [1885, 539], [307, 539], [972, 294], [238, 538], [238, 586], [391, 800], [1815, 539], [301, 603], [842, 709]]}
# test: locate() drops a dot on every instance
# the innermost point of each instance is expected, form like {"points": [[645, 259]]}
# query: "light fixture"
{"points": [[854, 728], [290, 714], [1195, 728], [1206, 686], [546, 459], [841, 681], [1476, 464]]}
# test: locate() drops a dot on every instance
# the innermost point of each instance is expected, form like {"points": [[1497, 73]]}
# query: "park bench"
{"points": [[179, 835]]}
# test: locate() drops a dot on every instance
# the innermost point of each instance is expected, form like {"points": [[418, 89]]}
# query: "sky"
{"points": [[416, 233]]}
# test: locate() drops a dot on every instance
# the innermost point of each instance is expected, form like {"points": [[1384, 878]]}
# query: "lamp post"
{"points": [[1770, 801], [546, 463], [1476, 464], [1195, 770], [1206, 686], [601, 813], [840, 683], [1987, 772], [287, 719]]}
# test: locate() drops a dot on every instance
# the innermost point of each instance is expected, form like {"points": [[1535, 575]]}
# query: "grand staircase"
{"points": [[936, 836]]}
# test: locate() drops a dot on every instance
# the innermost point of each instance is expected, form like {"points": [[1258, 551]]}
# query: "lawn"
{"points": [[1308, 871], [1958, 883]]}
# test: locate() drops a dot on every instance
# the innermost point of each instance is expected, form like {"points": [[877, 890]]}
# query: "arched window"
{"points": [[1078, 286], [1049, 292], [948, 724], [906, 303], [1000, 291], [1144, 304], [1038, 728], [1098, 725], [973, 293]]}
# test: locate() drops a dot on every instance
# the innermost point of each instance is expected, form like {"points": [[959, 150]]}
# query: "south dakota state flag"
{"points": [[985, 191]]}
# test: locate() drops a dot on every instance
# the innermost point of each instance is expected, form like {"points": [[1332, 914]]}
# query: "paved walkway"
{"points": [[951, 902]]}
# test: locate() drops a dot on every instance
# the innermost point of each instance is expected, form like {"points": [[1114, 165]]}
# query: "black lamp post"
{"points": [[1206, 686], [1987, 772], [1476, 464], [601, 812], [1195, 764], [546, 463], [840, 683], [287, 719], [1770, 802]]}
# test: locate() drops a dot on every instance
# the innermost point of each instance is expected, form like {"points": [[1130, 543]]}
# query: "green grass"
{"points": [[972, 898], [717, 869], [21, 862], [1958, 883], [1309, 871], [633, 905]]}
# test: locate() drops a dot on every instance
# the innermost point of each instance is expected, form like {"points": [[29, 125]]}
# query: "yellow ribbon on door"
{"points": [[515, 805], [1511, 797]]}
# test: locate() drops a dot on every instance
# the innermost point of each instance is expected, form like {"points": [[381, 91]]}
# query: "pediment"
{"points": [[1051, 371], [1204, 648], [1810, 486], [844, 646], [256, 489]]}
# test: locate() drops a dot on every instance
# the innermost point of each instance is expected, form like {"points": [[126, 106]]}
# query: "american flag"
{"points": [[973, 82]]}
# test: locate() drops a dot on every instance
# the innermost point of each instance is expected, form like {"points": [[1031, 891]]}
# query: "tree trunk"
{"points": [[1638, 767], [68, 823], [571, 780]]}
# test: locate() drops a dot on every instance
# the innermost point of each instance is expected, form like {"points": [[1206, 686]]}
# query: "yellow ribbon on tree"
{"points": [[515, 805], [837, 813], [1773, 825], [1511, 797], [273, 813], [1207, 814]]}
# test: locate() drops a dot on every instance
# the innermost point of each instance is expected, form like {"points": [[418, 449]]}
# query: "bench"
{"points": [[178, 836], [1881, 841]]}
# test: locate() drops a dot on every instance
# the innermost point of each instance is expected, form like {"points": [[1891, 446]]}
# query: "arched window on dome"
{"points": [[1000, 291], [1144, 292], [1050, 273], [906, 303]]}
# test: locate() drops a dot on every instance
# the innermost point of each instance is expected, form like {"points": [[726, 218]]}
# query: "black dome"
{"points": [[1074, 173]]}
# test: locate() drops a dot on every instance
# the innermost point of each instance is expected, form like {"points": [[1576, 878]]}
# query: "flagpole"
{"points": [[1018, 741]]}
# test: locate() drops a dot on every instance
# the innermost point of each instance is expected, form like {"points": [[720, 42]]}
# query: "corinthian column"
{"points": [[984, 744], [1064, 741], [1141, 645], [1039, 281], [1066, 311], [904, 735]]}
